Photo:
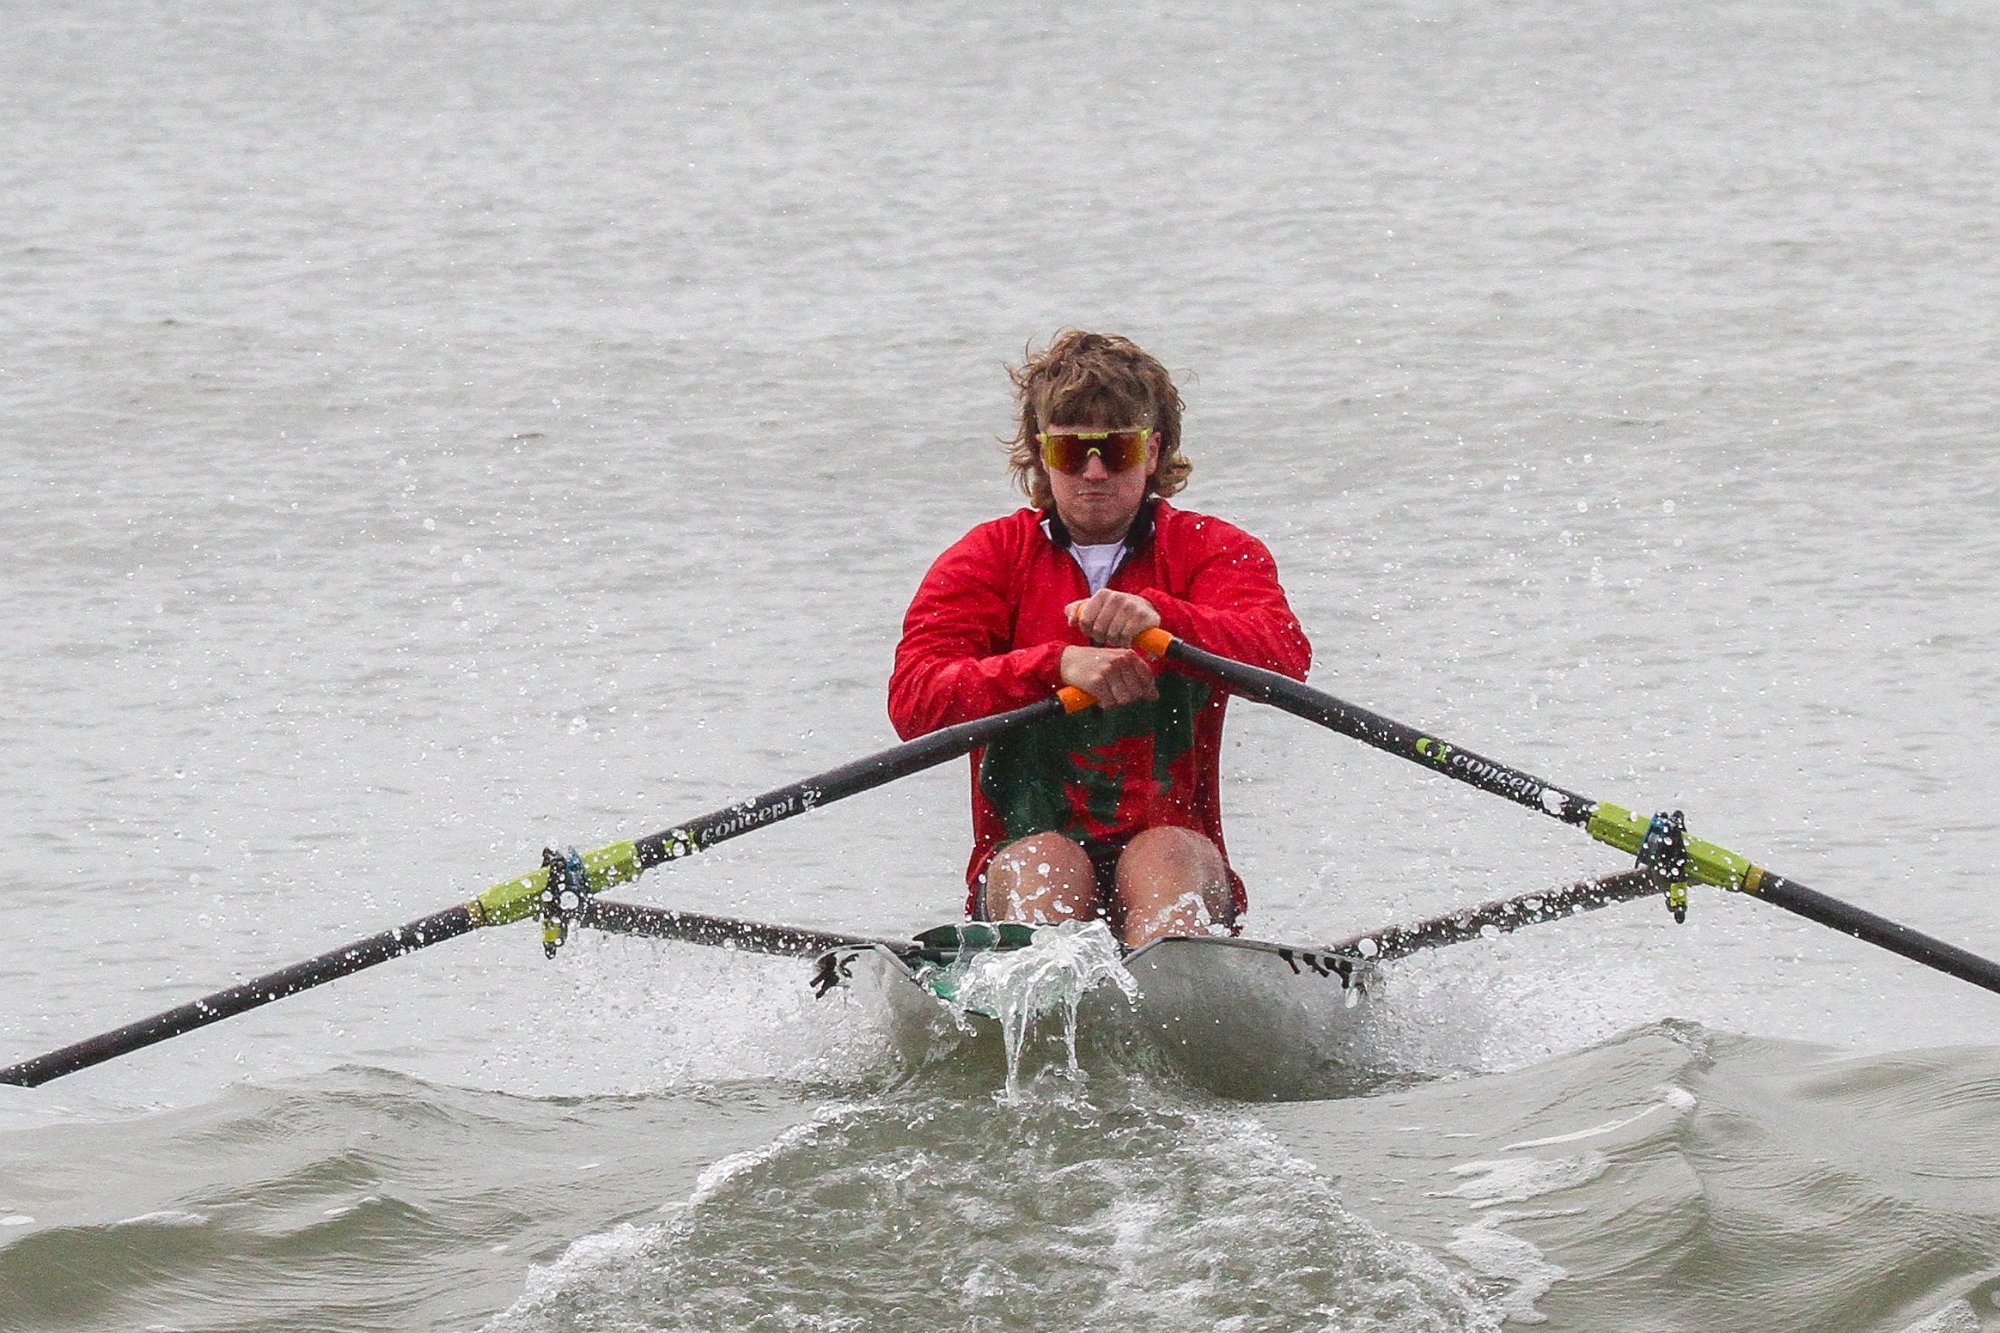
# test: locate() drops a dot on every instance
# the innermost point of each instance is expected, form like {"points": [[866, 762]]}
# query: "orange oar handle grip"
{"points": [[1153, 642]]}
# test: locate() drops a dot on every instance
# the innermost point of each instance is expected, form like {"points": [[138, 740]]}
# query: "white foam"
{"points": [[1519, 1179], [1958, 1317], [1488, 1184], [721, 1171], [165, 1217], [1673, 1099], [585, 1256], [1251, 1148], [579, 1265], [1492, 1252]]}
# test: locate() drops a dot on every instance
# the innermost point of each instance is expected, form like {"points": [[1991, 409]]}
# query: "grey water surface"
{"points": [[433, 432]]}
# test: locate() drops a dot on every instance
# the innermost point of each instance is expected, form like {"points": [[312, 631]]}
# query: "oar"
{"points": [[1656, 840], [576, 877], [1498, 917]]}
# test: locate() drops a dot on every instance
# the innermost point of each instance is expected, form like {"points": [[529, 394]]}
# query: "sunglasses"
{"points": [[1119, 449]]}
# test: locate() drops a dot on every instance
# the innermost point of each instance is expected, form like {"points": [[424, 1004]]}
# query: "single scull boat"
{"points": [[562, 891]]}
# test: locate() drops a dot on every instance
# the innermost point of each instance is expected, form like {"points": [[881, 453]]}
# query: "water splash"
{"points": [[1049, 976]]}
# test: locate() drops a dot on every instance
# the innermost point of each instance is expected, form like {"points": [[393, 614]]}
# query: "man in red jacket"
{"points": [[1113, 812]]}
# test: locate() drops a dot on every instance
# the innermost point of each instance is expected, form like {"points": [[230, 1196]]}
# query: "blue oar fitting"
{"points": [[562, 897], [1663, 857]]}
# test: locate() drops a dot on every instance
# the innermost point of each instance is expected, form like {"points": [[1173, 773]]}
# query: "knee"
{"points": [[1182, 849], [1173, 881], [1039, 856], [1042, 877]]}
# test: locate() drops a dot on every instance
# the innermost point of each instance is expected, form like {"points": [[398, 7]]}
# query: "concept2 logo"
{"points": [[1435, 751], [1489, 775], [748, 815]]}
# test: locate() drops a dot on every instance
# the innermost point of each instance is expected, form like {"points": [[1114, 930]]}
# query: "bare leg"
{"points": [[1040, 879], [1171, 881]]}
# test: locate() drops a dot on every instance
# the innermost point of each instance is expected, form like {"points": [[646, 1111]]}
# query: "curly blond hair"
{"points": [[1102, 377]]}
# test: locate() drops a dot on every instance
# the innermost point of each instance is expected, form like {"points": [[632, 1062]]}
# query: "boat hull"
{"points": [[1238, 1018]]}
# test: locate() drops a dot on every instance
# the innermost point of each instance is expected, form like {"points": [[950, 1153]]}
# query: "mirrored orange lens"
{"points": [[1119, 449]]}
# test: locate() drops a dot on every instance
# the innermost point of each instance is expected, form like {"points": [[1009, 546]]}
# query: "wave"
{"points": [[1673, 1177]]}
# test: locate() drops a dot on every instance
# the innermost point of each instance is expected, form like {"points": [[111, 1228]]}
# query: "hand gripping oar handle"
{"points": [[518, 899], [1610, 824]]}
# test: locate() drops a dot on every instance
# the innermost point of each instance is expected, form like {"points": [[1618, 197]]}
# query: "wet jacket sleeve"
{"points": [[953, 663], [1235, 606]]}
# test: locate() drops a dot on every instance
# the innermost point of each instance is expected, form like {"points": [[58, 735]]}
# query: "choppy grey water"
{"points": [[429, 432]]}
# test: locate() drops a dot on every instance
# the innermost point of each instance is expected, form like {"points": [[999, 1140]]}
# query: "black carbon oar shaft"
{"points": [[520, 898], [223, 1004], [1610, 824], [1383, 733], [852, 778], [1877, 930]]}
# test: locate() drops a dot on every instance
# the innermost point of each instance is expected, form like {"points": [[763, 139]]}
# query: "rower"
{"points": [[1113, 813]]}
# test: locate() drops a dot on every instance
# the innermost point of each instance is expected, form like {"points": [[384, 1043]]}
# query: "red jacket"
{"points": [[985, 633]]}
